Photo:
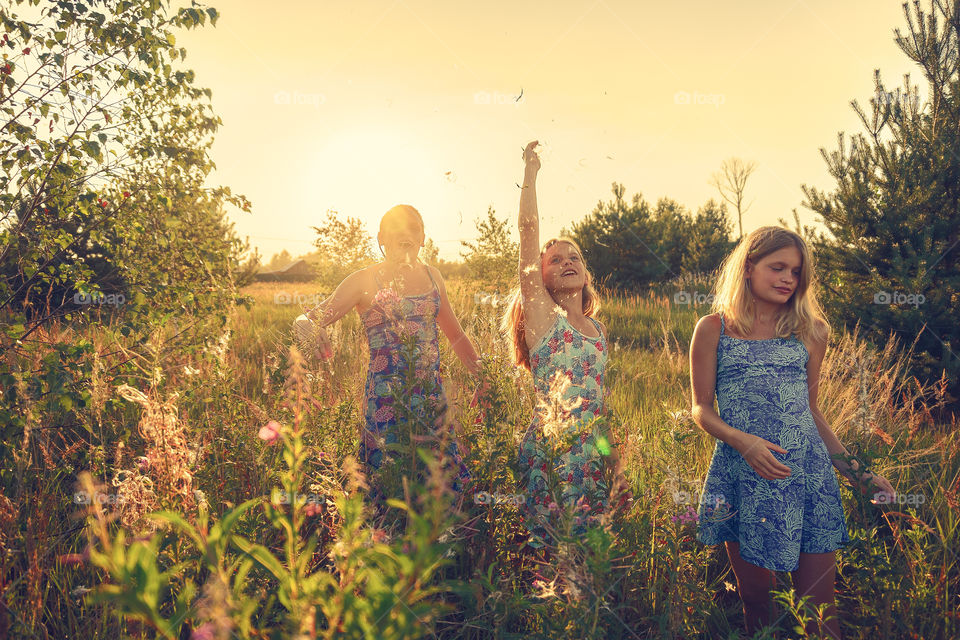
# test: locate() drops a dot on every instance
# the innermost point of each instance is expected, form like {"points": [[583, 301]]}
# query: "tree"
{"points": [[494, 256], [279, 260], [343, 246], [636, 245], [891, 259], [731, 182], [104, 141]]}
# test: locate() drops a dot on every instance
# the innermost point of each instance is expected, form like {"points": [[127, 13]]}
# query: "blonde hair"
{"points": [[513, 323], [802, 315]]}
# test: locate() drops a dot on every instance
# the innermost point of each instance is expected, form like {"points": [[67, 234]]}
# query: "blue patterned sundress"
{"points": [[388, 321], [582, 359], [762, 389]]}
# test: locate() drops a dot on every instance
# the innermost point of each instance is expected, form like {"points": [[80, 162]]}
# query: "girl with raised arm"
{"points": [[551, 325], [398, 299], [771, 494]]}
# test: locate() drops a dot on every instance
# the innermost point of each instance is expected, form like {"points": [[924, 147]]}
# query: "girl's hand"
{"points": [[756, 451], [531, 160], [880, 488], [312, 338]]}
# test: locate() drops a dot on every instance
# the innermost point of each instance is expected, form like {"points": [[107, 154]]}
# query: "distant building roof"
{"points": [[297, 268]]}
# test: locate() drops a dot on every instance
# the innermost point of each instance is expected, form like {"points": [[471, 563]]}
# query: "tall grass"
{"points": [[231, 557]]}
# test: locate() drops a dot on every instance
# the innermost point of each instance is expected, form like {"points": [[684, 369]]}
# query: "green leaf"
{"points": [[262, 555]]}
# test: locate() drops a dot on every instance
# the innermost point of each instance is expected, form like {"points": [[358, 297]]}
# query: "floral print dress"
{"points": [[762, 389], [581, 359], [388, 322]]}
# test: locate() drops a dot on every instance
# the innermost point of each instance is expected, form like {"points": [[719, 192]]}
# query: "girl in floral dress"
{"points": [[554, 334], [771, 494], [401, 301]]}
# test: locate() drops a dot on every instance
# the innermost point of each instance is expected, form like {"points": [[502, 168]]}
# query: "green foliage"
{"points": [[102, 189], [493, 257], [343, 247], [890, 260], [635, 245]]}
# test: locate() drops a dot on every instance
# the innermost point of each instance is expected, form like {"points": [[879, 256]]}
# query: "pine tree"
{"points": [[891, 260], [493, 258]]}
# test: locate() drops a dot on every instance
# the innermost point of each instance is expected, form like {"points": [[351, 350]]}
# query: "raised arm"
{"points": [[703, 380], [450, 325], [539, 309]]}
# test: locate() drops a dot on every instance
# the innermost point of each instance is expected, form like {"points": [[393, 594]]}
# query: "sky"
{"points": [[358, 106]]}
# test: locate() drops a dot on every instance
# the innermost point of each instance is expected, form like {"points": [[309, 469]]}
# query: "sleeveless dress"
{"points": [[582, 359], [762, 389], [389, 321]]}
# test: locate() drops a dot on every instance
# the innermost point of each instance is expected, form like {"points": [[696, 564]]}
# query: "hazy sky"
{"points": [[358, 106]]}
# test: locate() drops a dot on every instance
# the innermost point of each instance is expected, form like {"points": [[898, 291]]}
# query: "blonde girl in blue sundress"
{"points": [[771, 494]]}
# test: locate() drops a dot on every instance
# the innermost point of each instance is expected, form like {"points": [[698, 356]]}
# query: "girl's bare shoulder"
{"points": [[708, 326]]}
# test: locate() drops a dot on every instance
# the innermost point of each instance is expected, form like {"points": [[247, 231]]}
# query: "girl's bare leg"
{"points": [[816, 577], [753, 584]]}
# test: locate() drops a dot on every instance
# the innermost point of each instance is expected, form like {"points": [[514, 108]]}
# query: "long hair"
{"points": [[514, 324], [802, 313]]}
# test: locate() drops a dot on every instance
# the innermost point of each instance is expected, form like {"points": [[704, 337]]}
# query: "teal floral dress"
{"points": [[582, 359], [388, 322], [762, 389]]}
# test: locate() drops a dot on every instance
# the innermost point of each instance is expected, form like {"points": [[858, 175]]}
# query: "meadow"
{"points": [[260, 539]]}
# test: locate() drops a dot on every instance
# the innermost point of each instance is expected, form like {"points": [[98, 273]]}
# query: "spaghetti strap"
{"points": [[721, 324], [432, 281]]}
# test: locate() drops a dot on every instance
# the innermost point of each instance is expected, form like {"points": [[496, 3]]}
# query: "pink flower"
{"points": [[270, 432], [203, 632], [311, 509], [386, 297]]}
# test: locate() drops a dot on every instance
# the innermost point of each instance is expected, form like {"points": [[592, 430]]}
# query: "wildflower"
{"points": [[167, 460], [270, 432], [311, 509], [203, 632]]}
